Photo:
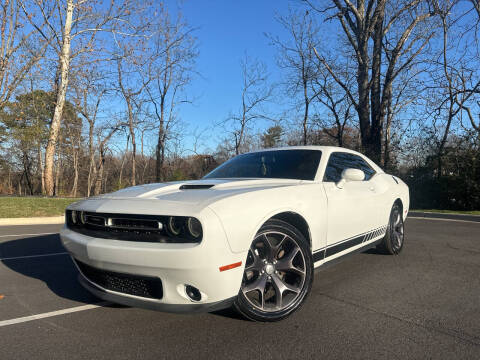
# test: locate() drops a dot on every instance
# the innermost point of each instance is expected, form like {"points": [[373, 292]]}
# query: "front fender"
{"points": [[243, 214]]}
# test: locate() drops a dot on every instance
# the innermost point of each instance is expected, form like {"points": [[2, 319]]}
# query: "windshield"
{"points": [[282, 164]]}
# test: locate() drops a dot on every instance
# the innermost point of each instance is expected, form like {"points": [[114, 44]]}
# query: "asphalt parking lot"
{"points": [[424, 303]]}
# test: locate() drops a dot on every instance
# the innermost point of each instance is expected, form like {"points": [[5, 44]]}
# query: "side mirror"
{"points": [[350, 175]]}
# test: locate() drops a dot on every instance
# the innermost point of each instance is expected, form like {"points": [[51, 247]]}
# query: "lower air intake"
{"points": [[143, 286]]}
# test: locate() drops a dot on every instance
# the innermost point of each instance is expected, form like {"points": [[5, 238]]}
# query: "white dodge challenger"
{"points": [[249, 234]]}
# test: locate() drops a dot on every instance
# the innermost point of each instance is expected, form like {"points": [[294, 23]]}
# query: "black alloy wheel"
{"points": [[278, 273]]}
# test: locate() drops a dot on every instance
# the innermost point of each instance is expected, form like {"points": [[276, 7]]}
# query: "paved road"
{"points": [[422, 304]]}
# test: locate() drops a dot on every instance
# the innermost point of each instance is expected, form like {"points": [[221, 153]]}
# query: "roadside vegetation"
{"points": [[91, 94], [18, 207]]}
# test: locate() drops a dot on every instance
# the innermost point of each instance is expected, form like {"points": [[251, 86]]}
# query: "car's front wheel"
{"points": [[392, 243], [278, 273]]}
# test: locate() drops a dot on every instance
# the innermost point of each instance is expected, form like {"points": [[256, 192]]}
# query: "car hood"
{"points": [[197, 191], [177, 198]]}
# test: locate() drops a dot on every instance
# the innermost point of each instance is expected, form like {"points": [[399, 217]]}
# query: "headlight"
{"points": [[184, 227], [194, 227], [74, 217], [82, 217], [174, 225]]}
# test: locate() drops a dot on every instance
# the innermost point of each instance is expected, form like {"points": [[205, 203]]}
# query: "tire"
{"points": [[393, 241], [278, 273]]}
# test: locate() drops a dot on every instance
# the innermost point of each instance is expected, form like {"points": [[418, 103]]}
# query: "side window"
{"points": [[363, 165], [336, 164], [340, 161]]}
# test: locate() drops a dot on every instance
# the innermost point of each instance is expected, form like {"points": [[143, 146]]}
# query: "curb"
{"points": [[33, 221], [432, 215]]}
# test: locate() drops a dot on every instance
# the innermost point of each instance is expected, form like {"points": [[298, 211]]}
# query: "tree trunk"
{"points": [[62, 92], [26, 171], [160, 154], [40, 167], [105, 181], [131, 127], [377, 112], [58, 168], [75, 177], [92, 169], [305, 120], [134, 164], [160, 150], [99, 178], [241, 132], [363, 111], [386, 147], [307, 103], [123, 164]]}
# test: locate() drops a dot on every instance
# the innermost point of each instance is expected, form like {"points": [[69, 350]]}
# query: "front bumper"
{"points": [[177, 265], [154, 305]]}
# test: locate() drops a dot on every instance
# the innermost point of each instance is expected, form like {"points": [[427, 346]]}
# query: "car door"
{"points": [[351, 209]]}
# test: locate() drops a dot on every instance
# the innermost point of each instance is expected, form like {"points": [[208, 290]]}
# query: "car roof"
{"points": [[326, 151]]}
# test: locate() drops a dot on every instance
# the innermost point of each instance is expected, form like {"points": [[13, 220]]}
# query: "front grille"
{"points": [[127, 227], [144, 286]]}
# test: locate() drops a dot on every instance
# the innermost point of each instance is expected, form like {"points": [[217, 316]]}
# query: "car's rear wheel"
{"points": [[393, 241], [278, 273]]}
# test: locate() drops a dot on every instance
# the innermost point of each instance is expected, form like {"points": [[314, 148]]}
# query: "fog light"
{"points": [[193, 293]]}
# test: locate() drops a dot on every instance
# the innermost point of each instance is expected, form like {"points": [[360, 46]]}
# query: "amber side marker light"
{"points": [[231, 266]]}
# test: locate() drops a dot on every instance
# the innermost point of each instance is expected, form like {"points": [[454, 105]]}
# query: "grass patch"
{"points": [[17, 207], [473, 212]]}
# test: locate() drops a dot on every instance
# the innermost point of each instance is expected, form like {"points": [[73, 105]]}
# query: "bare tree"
{"points": [[458, 84], [337, 104], [89, 91], [104, 136], [297, 57], [146, 128], [131, 91], [383, 40], [469, 87], [73, 134], [20, 48], [73, 22], [406, 90], [476, 6], [256, 92], [170, 71]]}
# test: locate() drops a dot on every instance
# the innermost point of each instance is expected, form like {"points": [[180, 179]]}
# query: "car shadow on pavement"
{"points": [[57, 271], [374, 251], [229, 313]]}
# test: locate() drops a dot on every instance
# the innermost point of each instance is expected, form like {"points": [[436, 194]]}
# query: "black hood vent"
{"points": [[195, 186]]}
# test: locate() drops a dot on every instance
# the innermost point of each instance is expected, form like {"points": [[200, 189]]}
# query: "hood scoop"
{"points": [[195, 186]]}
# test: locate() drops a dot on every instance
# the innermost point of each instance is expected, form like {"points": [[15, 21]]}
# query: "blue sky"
{"points": [[226, 30]]}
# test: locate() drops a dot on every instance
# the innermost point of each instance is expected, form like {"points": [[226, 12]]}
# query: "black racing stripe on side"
{"points": [[319, 255], [344, 246], [367, 236]]}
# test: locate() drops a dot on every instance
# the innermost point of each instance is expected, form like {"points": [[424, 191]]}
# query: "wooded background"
{"points": [[86, 85]]}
